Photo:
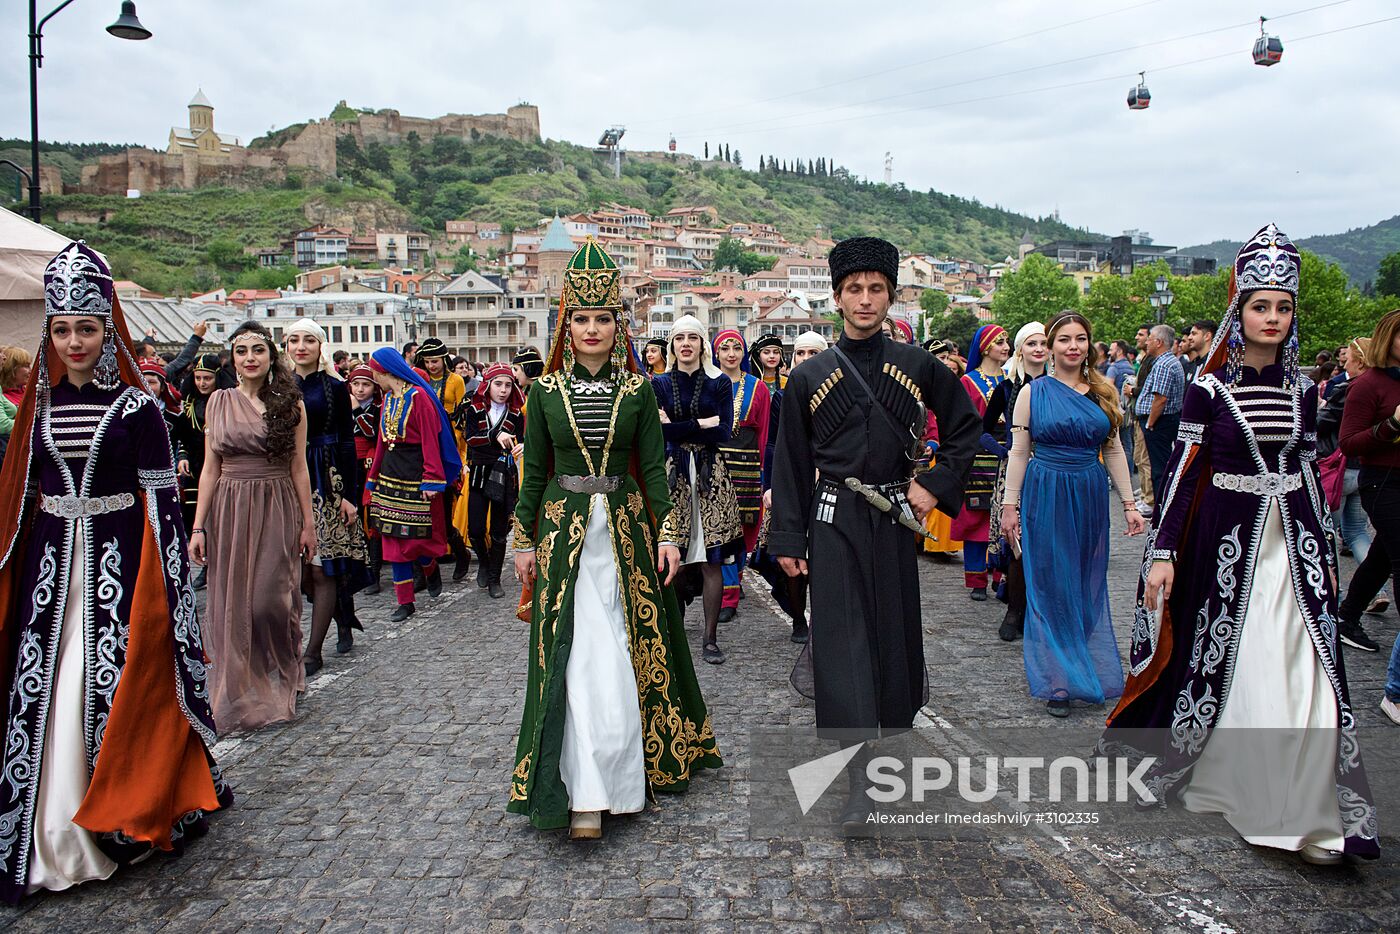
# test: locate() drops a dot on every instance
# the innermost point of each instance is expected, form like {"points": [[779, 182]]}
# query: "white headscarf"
{"points": [[1017, 370], [689, 324], [307, 326], [810, 340]]}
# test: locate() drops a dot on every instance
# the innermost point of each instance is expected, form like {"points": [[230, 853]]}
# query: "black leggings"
{"points": [[1381, 500], [480, 511]]}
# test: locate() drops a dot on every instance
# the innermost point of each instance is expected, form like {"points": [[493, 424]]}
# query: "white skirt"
{"points": [[601, 758], [61, 853], [1272, 775]]}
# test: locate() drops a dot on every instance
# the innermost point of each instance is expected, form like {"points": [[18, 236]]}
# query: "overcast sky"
{"points": [[1226, 146]]}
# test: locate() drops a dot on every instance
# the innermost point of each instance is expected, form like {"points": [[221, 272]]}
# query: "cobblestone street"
{"points": [[383, 808]]}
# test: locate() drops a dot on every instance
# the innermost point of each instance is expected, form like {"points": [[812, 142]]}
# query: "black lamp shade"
{"points": [[127, 25]]}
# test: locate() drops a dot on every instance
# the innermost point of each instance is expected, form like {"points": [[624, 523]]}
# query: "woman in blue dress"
{"points": [[1058, 491]]}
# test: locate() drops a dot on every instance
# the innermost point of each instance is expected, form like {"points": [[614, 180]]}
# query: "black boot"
{"points": [[461, 558], [420, 582], [483, 565], [345, 623], [404, 611], [497, 558], [1013, 625], [855, 814], [799, 630], [435, 581]]}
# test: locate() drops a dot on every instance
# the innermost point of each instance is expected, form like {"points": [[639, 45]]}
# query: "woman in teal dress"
{"points": [[1058, 491], [612, 708]]}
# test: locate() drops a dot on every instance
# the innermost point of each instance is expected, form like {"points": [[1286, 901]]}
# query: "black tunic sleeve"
{"points": [[959, 436], [794, 472], [996, 408], [342, 425]]}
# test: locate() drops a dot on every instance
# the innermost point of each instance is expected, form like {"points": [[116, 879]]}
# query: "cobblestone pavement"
{"points": [[382, 807]]}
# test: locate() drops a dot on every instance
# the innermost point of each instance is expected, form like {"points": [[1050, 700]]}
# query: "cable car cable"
{"points": [[1234, 53], [729, 127]]}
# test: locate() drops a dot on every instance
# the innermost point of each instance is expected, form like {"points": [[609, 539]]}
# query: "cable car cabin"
{"points": [[1268, 50], [1139, 98]]}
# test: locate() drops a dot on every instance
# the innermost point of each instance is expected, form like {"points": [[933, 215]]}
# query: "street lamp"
{"points": [[1162, 298], [127, 26]]}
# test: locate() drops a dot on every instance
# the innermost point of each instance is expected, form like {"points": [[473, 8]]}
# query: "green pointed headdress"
{"points": [[592, 280]]}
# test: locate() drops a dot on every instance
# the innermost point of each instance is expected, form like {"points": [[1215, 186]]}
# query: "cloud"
{"points": [[1225, 146]]}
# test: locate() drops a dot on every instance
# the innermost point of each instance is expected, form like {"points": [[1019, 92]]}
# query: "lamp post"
{"points": [[1162, 298], [127, 26]]}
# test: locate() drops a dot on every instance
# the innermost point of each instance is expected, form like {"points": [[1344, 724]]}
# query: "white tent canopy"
{"points": [[25, 251]]}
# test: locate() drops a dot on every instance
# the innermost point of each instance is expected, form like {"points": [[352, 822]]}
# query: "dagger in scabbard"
{"points": [[882, 503]]}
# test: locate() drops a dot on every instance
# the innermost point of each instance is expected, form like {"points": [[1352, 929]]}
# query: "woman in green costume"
{"points": [[612, 708]]}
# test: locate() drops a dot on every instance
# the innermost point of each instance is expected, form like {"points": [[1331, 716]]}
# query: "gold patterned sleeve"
{"points": [[651, 457], [533, 474]]}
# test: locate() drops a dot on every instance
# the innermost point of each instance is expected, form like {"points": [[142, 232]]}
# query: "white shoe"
{"points": [[1143, 509], [1320, 856], [585, 825], [1391, 709]]}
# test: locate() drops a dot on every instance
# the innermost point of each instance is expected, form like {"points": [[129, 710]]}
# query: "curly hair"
{"points": [[280, 396], [1100, 388]]}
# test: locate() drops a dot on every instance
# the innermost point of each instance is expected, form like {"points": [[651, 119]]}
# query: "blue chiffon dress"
{"points": [[1069, 647]]}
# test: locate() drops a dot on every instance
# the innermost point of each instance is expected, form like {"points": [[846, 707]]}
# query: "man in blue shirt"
{"points": [[1158, 402]]}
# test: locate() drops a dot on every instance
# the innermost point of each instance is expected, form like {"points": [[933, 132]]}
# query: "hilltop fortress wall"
{"points": [[311, 149]]}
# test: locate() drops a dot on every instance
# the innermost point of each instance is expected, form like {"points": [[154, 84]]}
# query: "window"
{"points": [[534, 329], [388, 332], [378, 334], [335, 334], [490, 329], [379, 308], [450, 329]]}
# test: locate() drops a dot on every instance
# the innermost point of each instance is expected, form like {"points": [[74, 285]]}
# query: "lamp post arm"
{"points": [[36, 31]]}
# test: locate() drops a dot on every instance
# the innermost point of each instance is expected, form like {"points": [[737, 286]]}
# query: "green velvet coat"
{"points": [[595, 426]]}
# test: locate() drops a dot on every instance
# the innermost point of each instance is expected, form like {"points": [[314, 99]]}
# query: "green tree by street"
{"points": [[933, 301], [1036, 291]]}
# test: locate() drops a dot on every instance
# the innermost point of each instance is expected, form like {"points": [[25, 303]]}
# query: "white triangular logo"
{"points": [[810, 780]]}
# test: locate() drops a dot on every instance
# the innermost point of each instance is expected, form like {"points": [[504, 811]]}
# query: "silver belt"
{"points": [[589, 484], [75, 507], [1260, 484]]}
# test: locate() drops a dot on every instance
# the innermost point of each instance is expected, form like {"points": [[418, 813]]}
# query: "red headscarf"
{"points": [[481, 399]]}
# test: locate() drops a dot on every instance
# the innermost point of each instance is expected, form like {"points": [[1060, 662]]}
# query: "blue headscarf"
{"points": [[983, 339], [393, 362]]}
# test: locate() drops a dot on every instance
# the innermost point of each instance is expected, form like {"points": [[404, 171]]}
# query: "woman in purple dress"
{"points": [[108, 729], [1242, 563]]}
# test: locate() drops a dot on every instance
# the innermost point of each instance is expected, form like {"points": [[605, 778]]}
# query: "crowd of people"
{"points": [[628, 481]]}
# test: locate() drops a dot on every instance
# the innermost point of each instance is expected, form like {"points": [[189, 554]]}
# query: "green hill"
{"points": [[179, 241], [1358, 251]]}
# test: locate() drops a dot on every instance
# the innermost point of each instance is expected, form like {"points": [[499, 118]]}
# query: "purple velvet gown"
{"points": [[90, 443], [1249, 639]]}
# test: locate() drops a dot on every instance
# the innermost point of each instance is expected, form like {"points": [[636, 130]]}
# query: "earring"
{"points": [[1084, 368], [1234, 353], [108, 373], [1050, 366]]}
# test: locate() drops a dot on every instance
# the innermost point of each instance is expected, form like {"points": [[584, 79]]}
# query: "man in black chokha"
{"points": [[858, 410]]}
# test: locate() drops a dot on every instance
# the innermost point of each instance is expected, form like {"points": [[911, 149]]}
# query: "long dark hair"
{"points": [[280, 396]]}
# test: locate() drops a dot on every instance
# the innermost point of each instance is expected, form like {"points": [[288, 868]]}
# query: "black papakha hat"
{"points": [[863, 254]]}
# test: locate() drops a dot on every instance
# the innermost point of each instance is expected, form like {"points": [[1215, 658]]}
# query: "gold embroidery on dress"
{"points": [[519, 779], [554, 511]]}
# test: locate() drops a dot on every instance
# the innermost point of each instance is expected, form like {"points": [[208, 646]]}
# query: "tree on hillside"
{"points": [[933, 301], [727, 254], [228, 256], [726, 152], [1388, 277], [1034, 292], [738, 160], [707, 149], [463, 260], [750, 263], [957, 326]]}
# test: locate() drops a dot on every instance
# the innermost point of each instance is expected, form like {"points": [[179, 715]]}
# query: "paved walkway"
{"points": [[383, 808]]}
